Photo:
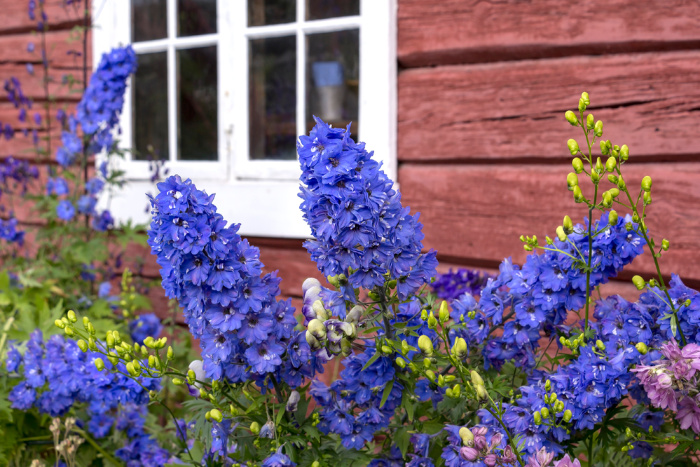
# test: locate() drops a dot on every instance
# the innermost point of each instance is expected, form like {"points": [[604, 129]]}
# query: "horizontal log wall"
{"points": [[483, 88]]}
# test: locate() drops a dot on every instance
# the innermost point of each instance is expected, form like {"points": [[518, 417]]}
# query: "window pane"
{"points": [[150, 107], [333, 72], [197, 95], [273, 100], [262, 12], [321, 9], [196, 17], [148, 20]]}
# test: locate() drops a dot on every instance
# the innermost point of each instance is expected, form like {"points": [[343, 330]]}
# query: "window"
{"points": [[224, 87]]}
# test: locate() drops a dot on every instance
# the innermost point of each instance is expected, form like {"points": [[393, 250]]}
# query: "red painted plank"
{"points": [[477, 213], [61, 47], [15, 16], [514, 110], [471, 31]]}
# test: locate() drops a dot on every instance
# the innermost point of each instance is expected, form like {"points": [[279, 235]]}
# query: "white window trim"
{"points": [[260, 195]]}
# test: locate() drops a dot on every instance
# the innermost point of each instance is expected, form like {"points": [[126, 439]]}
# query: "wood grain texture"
{"points": [[15, 16], [477, 213], [63, 49], [515, 110], [470, 31]]}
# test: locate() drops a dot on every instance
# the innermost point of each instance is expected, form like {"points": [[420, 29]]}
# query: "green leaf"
{"points": [[280, 414], [387, 390], [372, 359], [402, 438]]}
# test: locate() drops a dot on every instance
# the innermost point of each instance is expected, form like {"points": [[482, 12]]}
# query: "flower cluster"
{"points": [[479, 445], [56, 374], [673, 382], [548, 285], [15, 177], [453, 284], [228, 302], [359, 226]]}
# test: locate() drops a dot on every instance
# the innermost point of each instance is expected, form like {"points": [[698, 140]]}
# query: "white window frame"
{"points": [[261, 195]]}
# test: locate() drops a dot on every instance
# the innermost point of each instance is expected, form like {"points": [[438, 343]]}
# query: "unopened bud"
{"points": [[60, 324], [444, 313], [590, 121], [577, 164], [638, 282], [459, 349], [432, 321], [216, 415], [647, 198], [82, 345], [99, 364], [664, 244], [646, 183], [538, 418], [567, 416], [610, 164], [178, 382], [613, 218], [561, 234], [624, 152], [430, 374], [545, 412], [573, 146], [170, 353], [425, 345], [604, 148], [578, 194], [571, 180], [400, 362], [466, 434], [599, 344], [71, 316], [641, 348], [598, 129]]}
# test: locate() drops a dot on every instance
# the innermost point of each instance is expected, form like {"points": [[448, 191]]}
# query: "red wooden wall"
{"points": [[482, 90]]}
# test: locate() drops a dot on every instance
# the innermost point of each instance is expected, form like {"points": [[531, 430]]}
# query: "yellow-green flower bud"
{"points": [[571, 180], [386, 349], [113, 358], [567, 416], [69, 332], [612, 179], [430, 374], [178, 382], [400, 362], [604, 149], [553, 398], [170, 353], [561, 234], [578, 194], [573, 146], [60, 324], [547, 385], [91, 344], [599, 167], [595, 177], [71, 316], [432, 321], [130, 368], [584, 97], [638, 282], [598, 129], [110, 339], [613, 218], [641, 348], [583, 102], [568, 225], [571, 118], [444, 313], [476, 378], [424, 315], [624, 152], [216, 415], [441, 381], [333, 280], [577, 164], [600, 344], [255, 428], [86, 322], [472, 314], [99, 364], [647, 198], [607, 199], [82, 345], [117, 337], [664, 244], [391, 284], [459, 349], [545, 412], [316, 464], [590, 121], [425, 345], [466, 434], [427, 363], [538, 418], [456, 390], [610, 164], [621, 183], [646, 183]]}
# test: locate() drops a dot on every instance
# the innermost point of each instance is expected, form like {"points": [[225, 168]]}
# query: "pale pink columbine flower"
{"points": [[567, 462], [689, 414], [541, 459], [468, 454]]}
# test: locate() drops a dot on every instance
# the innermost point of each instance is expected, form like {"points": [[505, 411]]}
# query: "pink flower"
{"points": [[663, 398], [689, 414], [567, 462], [541, 459], [468, 454], [670, 350]]}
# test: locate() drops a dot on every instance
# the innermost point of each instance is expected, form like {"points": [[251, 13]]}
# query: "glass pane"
{"points": [[197, 97], [196, 17], [148, 20], [262, 12], [273, 98], [150, 107], [333, 78], [321, 9]]}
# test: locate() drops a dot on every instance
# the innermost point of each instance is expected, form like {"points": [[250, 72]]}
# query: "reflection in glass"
{"points": [[322, 9], [197, 111], [150, 107], [196, 17], [333, 78], [272, 98], [148, 20], [262, 12]]}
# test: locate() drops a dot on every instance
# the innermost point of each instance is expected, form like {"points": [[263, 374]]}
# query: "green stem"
{"points": [[97, 447]]}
